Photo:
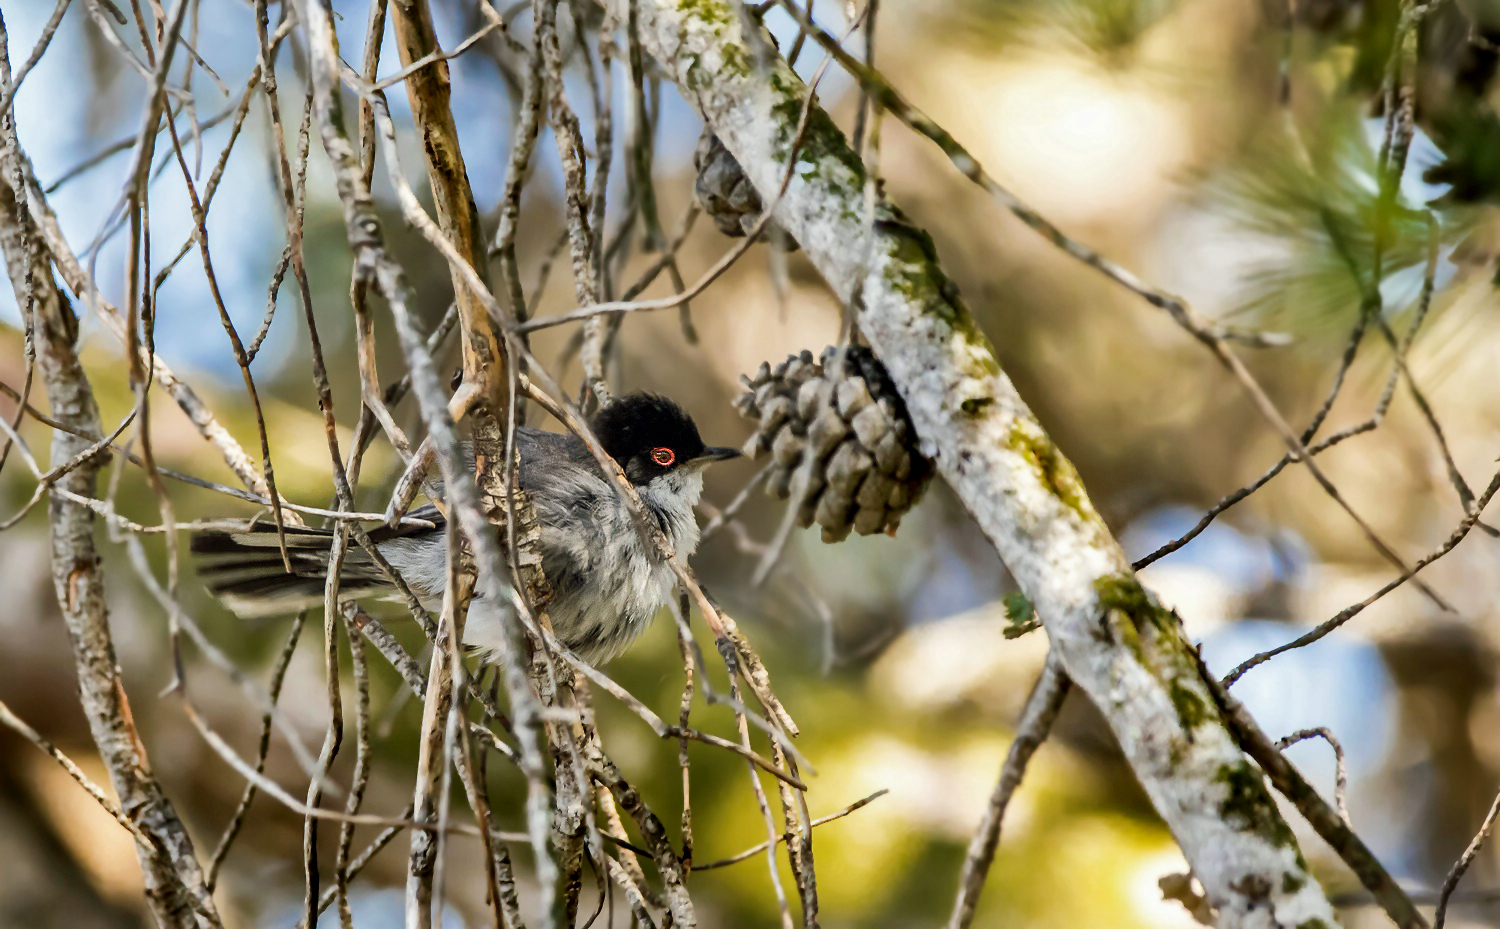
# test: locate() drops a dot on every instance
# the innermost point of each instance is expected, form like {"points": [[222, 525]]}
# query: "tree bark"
{"points": [[1126, 652]]}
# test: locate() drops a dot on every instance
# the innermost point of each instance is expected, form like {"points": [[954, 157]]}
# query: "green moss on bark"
{"points": [[714, 12], [1124, 592], [1248, 806], [1057, 473], [716, 16], [1192, 710], [822, 140], [1148, 624]]}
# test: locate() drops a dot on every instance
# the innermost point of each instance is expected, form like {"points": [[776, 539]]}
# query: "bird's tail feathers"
{"points": [[244, 569]]}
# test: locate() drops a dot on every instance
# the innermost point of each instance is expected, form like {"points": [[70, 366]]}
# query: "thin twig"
{"points": [[754, 850], [1456, 873], [1041, 710], [1341, 769]]}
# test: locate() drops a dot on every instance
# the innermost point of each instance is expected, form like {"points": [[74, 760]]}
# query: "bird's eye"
{"points": [[663, 456]]}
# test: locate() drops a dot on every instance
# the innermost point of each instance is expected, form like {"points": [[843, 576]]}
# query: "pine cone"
{"points": [[724, 192], [866, 472]]}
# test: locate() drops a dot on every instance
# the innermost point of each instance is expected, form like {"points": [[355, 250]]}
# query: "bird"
{"points": [[608, 582]]}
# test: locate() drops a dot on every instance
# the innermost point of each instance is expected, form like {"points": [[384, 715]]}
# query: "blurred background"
{"points": [[1205, 144]]}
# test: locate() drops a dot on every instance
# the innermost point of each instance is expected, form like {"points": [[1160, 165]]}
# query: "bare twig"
{"points": [[1341, 770], [1458, 535], [754, 850], [1036, 721], [16, 724], [1456, 873]]}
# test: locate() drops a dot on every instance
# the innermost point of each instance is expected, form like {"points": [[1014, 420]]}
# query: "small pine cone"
{"points": [[723, 191], [864, 472]]}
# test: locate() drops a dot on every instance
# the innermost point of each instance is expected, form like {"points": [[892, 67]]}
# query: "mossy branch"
{"points": [[1123, 650]]}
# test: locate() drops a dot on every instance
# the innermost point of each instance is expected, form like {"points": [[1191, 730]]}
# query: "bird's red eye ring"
{"points": [[663, 456]]}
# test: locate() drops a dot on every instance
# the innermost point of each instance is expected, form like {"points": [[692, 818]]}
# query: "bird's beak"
{"points": [[718, 454]]}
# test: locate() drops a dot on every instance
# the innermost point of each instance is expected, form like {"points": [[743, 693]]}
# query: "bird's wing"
{"points": [[544, 454]]}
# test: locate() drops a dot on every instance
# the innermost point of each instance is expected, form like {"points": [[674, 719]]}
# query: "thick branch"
{"points": [[1123, 650], [453, 201]]}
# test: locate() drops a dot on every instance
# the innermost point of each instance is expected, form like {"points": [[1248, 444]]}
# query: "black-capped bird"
{"points": [[607, 581]]}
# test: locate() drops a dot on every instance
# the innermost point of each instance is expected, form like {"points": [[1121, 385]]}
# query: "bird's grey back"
{"points": [[543, 452]]}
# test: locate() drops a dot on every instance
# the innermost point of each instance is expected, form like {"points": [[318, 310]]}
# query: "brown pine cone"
{"points": [[865, 470], [723, 191]]}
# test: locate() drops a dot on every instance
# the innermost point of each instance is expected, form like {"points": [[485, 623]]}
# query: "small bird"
{"points": [[607, 581]]}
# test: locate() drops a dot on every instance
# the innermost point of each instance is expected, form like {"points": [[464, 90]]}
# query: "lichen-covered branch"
{"points": [[1121, 648]]}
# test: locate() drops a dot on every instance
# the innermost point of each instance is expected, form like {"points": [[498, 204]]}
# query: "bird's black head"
{"points": [[650, 435]]}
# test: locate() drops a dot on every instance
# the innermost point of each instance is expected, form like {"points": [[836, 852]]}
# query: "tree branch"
{"points": [[1126, 652]]}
